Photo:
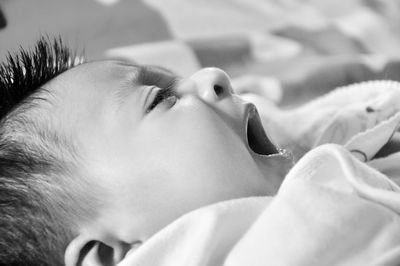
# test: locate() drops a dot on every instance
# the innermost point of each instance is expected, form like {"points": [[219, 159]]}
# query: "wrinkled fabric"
{"points": [[331, 210]]}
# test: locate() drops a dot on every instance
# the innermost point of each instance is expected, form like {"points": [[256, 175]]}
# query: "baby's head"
{"points": [[96, 158]]}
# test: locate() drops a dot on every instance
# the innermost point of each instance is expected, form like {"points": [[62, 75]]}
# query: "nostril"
{"points": [[218, 90]]}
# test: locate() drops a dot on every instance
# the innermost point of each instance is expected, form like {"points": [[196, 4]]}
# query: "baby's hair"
{"points": [[35, 160], [25, 72]]}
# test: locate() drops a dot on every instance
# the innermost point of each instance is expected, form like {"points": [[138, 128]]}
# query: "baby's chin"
{"points": [[274, 169]]}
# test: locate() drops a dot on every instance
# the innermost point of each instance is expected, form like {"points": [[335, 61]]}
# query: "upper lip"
{"points": [[257, 138]]}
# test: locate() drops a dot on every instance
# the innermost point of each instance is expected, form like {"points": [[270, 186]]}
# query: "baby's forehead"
{"points": [[105, 69], [87, 78], [115, 69]]}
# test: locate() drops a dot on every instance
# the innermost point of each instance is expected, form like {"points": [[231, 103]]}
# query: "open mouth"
{"points": [[256, 137]]}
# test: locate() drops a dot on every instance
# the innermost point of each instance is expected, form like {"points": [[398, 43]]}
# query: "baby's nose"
{"points": [[211, 84]]}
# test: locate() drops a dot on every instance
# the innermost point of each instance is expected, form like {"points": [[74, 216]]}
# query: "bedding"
{"points": [[337, 117], [307, 47], [339, 205]]}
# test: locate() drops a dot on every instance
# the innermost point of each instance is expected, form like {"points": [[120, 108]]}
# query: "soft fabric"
{"points": [[331, 210], [339, 205], [307, 47], [341, 116], [202, 237], [273, 31]]}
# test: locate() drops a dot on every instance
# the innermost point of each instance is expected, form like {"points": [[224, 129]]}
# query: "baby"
{"points": [[107, 163], [103, 155]]}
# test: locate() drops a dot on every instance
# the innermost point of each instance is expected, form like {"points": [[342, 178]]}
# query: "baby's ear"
{"points": [[85, 250]]}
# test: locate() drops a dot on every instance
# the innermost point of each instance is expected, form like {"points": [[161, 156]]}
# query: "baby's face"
{"points": [[155, 162]]}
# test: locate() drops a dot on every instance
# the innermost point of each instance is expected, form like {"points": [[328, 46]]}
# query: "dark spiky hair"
{"points": [[35, 198], [25, 72]]}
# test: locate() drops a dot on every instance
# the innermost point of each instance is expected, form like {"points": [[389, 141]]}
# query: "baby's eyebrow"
{"points": [[145, 73], [155, 75]]}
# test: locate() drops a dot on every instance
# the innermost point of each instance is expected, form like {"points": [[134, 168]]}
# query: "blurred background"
{"points": [[305, 46]]}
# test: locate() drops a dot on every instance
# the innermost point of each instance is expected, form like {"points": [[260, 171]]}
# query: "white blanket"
{"points": [[337, 206]]}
